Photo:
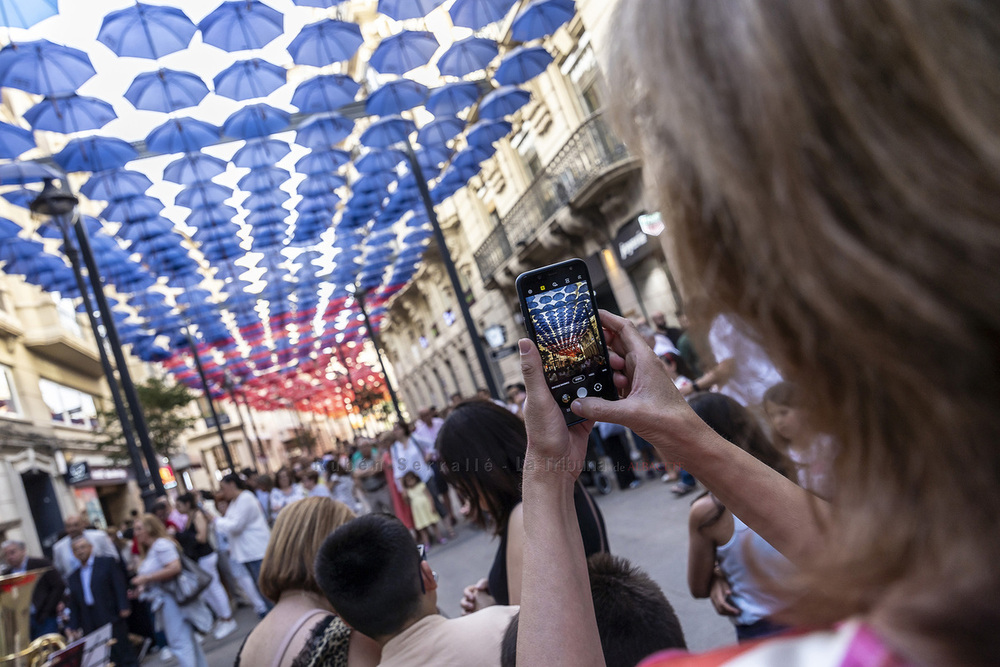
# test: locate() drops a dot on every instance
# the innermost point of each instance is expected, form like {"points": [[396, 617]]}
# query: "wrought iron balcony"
{"points": [[591, 151]]}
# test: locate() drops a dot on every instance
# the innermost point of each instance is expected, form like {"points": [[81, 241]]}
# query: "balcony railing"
{"points": [[590, 151]]}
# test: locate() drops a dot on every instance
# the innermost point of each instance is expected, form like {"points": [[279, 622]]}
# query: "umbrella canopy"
{"points": [[21, 14], [319, 162], [115, 185], [502, 102], [452, 98], [8, 229], [179, 135], [399, 53], [440, 131], [166, 90], [324, 132], [260, 153], [21, 197], [67, 115], [325, 42], [145, 229], [522, 64], [239, 25], [14, 140], [466, 56], [193, 167], [375, 161], [44, 68], [248, 79], [541, 18], [485, 132], [255, 120], [395, 97], [477, 14], [324, 93], [95, 154], [268, 178], [203, 195], [146, 31], [136, 208], [401, 10], [19, 173], [387, 131]]}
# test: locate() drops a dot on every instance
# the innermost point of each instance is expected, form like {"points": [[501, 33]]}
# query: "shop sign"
{"points": [[167, 477], [495, 335], [108, 475], [77, 472], [223, 420], [632, 244], [651, 223]]}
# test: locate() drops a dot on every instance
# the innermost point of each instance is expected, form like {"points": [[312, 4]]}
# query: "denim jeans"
{"points": [[253, 567], [180, 635]]}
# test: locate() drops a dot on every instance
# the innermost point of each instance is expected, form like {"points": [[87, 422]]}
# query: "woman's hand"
{"points": [[139, 581], [721, 590], [649, 402], [552, 446], [470, 595]]}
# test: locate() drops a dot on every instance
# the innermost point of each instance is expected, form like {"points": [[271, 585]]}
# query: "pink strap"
{"points": [[287, 639]]}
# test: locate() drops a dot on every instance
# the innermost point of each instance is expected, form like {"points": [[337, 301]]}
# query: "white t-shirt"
{"points": [[245, 526], [407, 457], [753, 372], [161, 553], [427, 435]]}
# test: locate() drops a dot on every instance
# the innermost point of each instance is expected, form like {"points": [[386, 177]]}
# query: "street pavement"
{"points": [[647, 525]]}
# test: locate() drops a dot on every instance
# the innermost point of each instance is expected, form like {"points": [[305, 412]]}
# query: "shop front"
{"points": [[641, 256], [105, 495]]}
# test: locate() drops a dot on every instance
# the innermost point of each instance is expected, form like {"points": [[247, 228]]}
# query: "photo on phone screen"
{"points": [[561, 318]]}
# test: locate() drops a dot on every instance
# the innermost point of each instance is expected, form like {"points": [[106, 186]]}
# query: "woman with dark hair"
{"points": [[285, 491], [482, 447]]}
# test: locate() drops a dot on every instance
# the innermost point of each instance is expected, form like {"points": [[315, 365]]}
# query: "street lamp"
{"points": [[359, 296], [59, 203]]}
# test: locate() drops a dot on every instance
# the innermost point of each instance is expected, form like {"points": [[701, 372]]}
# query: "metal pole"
{"points": [[142, 478], [449, 265], [232, 396], [208, 397], [359, 296], [350, 385], [138, 418], [253, 425]]}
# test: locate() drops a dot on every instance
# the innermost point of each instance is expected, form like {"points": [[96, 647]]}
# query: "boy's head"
{"points": [[371, 572], [634, 617]]}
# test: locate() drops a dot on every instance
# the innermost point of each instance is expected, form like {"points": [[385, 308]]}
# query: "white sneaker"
{"points": [[166, 655], [224, 628]]}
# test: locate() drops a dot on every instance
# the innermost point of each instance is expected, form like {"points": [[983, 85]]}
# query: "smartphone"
{"points": [[557, 304]]}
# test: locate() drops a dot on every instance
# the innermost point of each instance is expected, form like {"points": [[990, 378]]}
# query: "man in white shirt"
{"points": [[744, 371], [62, 551], [244, 524], [373, 575], [426, 429]]}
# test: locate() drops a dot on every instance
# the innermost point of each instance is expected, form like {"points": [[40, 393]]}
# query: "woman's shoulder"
{"points": [[851, 643], [327, 646]]}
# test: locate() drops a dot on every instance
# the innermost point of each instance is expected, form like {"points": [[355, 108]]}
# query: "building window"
{"points": [[9, 404], [67, 315], [494, 219], [524, 142], [68, 406], [585, 76]]}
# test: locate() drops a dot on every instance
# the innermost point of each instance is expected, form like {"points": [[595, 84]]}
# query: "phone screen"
{"points": [[561, 318]]}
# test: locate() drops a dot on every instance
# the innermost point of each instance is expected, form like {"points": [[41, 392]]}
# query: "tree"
{"points": [[162, 405]]}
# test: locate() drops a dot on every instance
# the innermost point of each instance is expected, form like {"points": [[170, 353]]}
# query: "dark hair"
{"points": [[737, 425], [233, 478], [403, 425], [287, 471], [679, 363], [369, 570], [248, 472], [634, 617], [187, 499], [332, 467], [309, 474], [783, 393], [410, 474], [482, 447]]}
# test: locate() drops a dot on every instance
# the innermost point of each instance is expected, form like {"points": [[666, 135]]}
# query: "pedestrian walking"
{"points": [[245, 526]]}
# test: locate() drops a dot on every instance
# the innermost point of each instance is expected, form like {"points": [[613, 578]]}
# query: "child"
{"points": [[425, 517], [811, 453]]}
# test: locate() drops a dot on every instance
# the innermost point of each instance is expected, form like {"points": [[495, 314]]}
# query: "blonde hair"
{"points": [[295, 540], [154, 527], [830, 172]]}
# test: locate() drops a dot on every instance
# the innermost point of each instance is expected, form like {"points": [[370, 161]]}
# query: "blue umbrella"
{"points": [[266, 218], [466, 56], [326, 92], [430, 157], [210, 234], [193, 167], [21, 14], [324, 132], [21, 197], [399, 53], [485, 132], [387, 131], [402, 10], [114, 185], [440, 131], [375, 161], [14, 140], [239, 25], [502, 102], [8, 229], [318, 185], [260, 153], [319, 162], [267, 178], [325, 42], [541, 18], [522, 64], [395, 97], [203, 195], [166, 90], [19, 173], [148, 228], [146, 31], [255, 120], [136, 208], [248, 79], [207, 217], [451, 98], [260, 201], [95, 153], [44, 68], [477, 14], [467, 161], [67, 115], [179, 135], [19, 249]]}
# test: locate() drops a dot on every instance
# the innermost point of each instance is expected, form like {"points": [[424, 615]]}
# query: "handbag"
{"points": [[188, 585]]}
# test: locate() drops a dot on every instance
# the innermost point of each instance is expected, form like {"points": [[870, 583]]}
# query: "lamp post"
{"points": [[359, 296], [208, 397], [57, 202]]}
